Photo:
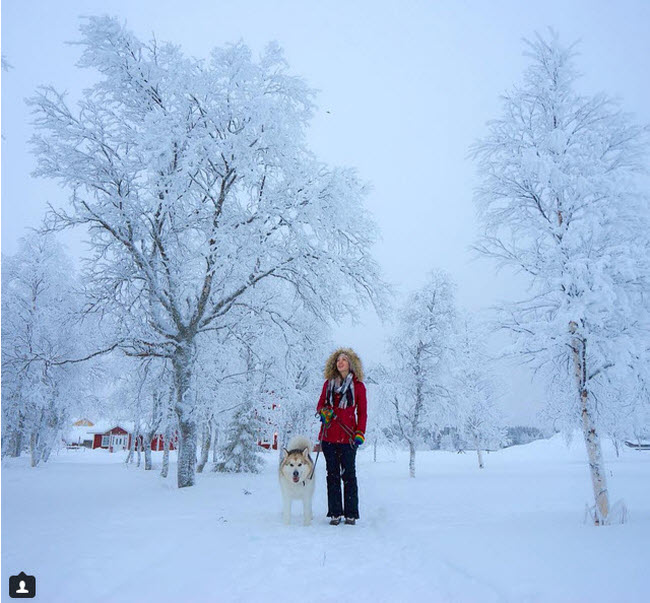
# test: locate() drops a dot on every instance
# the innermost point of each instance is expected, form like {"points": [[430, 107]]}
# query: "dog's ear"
{"points": [[286, 452], [305, 453]]}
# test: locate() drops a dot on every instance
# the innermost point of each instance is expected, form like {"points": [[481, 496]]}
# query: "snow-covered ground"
{"points": [[91, 529]]}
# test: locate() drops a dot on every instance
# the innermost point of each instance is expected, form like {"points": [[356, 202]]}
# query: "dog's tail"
{"points": [[299, 443]]}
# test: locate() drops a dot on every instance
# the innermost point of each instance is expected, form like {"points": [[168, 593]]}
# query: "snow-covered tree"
{"points": [[145, 400], [379, 431], [558, 202], [417, 378], [477, 414], [42, 338], [516, 435], [239, 451], [199, 192]]}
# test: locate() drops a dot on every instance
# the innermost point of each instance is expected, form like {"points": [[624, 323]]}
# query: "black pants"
{"points": [[340, 461]]}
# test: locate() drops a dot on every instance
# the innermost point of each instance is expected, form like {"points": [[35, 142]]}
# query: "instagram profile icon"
{"points": [[22, 586]]}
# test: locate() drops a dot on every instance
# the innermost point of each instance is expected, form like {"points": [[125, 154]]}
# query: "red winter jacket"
{"points": [[354, 418]]}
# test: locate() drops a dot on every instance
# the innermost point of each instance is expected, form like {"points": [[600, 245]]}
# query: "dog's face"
{"points": [[296, 465]]}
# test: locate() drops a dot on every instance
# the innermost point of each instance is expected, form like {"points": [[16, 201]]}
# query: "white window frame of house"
{"points": [[106, 441]]}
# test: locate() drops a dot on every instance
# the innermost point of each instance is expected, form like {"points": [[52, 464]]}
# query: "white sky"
{"points": [[405, 86]]}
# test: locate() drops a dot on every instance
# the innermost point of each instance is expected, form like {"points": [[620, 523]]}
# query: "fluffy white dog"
{"points": [[297, 478]]}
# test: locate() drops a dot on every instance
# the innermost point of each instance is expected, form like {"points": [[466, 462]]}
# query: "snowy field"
{"points": [[91, 529]]}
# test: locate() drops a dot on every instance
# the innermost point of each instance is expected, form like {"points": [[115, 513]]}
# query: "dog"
{"points": [[297, 478]]}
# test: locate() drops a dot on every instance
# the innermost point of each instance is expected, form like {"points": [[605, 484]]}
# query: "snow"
{"points": [[513, 531]]}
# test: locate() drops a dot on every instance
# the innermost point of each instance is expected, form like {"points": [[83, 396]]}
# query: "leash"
{"points": [[313, 469], [342, 425], [345, 428]]}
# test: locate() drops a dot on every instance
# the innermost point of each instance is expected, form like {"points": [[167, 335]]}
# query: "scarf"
{"points": [[344, 389]]}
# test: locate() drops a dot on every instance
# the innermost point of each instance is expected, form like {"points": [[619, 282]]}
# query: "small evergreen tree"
{"points": [[240, 452]]}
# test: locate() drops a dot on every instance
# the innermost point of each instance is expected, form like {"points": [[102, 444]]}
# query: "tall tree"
{"points": [[41, 338], [477, 414], [198, 189], [558, 202], [417, 378]]}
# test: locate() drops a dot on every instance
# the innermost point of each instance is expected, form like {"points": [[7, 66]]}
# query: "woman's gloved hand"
{"points": [[326, 414]]}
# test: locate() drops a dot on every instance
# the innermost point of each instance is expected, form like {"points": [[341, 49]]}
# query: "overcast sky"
{"points": [[405, 88]]}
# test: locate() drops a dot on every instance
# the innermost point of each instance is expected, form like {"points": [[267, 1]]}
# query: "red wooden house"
{"points": [[112, 440], [158, 442], [117, 438], [265, 443], [268, 435]]}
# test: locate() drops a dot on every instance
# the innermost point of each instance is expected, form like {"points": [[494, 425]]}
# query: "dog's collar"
{"points": [[304, 481]]}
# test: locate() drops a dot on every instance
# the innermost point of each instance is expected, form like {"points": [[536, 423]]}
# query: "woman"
{"points": [[342, 410]]}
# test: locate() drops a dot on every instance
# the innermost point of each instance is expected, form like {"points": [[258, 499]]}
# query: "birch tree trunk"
{"points": [[479, 453], [215, 447], [169, 430], [181, 362], [596, 464], [417, 411], [146, 444], [138, 447], [50, 441], [17, 443], [33, 449], [164, 472], [35, 441], [411, 458], [592, 440], [129, 456], [206, 440]]}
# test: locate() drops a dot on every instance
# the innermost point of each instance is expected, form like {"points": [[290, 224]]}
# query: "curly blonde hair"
{"points": [[331, 372]]}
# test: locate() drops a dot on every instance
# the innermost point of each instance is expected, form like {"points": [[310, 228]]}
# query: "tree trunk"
{"points": [[187, 453], [49, 443], [164, 472], [17, 444], [411, 459], [35, 446], [146, 444], [592, 441], [138, 448], [33, 449], [419, 405], [479, 452], [50, 438], [181, 362], [206, 440], [129, 456], [596, 464], [374, 451], [215, 447]]}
